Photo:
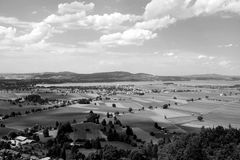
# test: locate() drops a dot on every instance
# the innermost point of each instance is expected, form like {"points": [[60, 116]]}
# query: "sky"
{"points": [[160, 37]]}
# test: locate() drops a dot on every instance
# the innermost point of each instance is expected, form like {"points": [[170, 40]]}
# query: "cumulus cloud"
{"points": [[108, 21], [15, 22], [155, 24], [34, 12], [182, 9], [7, 32], [128, 37], [80, 19], [205, 57], [169, 54], [74, 7], [41, 31], [64, 19], [224, 63], [139, 33], [9, 38], [202, 56], [227, 45]]}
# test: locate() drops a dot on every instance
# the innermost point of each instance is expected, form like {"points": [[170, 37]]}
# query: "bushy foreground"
{"points": [[210, 144]]}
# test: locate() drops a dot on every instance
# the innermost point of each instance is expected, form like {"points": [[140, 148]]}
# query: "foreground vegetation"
{"points": [[209, 144]]}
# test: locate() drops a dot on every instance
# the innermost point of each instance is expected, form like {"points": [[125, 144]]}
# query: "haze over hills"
{"points": [[111, 76]]}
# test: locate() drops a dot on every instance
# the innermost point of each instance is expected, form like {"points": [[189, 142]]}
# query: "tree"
{"points": [[104, 123], [93, 156], [63, 153], [12, 135], [200, 118], [110, 123], [96, 144], [137, 155], [13, 114], [92, 117], [65, 128], [110, 153], [57, 124], [87, 145], [4, 145], [74, 121], [114, 105], [165, 106], [80, 156], [129, 131], [156, 125], [130, 109], [46, 132], [36, 138]]}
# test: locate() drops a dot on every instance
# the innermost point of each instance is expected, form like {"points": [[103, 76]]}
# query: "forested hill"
{"points": [[111, 77]]}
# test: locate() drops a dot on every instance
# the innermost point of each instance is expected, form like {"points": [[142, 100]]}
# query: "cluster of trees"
{"points": [[10, 84], [108, 153], [33, 98], [4, 145], [210, 144], [14, 114], [57, 147], [92, 117], [112, 135], [89, 144], [147, 152], [165, 106], [84, 101], [159, 127], [56, 151]]}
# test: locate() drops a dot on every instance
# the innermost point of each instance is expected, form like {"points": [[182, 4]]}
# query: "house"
{"points": [[21, 140]]}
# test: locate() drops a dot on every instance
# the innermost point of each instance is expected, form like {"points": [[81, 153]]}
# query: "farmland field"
{"points": [[186, 102], [47, 118]]}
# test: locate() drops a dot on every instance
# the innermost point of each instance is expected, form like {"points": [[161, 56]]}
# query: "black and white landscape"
{"points": [[119, 80]]}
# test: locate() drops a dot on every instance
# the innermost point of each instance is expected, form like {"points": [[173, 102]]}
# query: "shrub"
{"points": [[152, 133], [46, 132], [200, 118]]}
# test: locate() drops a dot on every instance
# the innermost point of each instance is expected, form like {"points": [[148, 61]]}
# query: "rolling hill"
{"points": [[110, 76]]}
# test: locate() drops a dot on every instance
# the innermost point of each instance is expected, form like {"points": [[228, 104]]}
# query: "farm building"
{"points": [[21, 140]]}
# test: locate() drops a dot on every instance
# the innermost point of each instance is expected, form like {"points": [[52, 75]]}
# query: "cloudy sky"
{"points": [[163, 37]]}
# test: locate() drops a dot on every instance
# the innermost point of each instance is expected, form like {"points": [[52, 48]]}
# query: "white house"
{"points": [[21, 140]]}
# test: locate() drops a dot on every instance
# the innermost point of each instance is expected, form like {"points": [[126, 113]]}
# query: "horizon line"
{"points": [[122, 71]]}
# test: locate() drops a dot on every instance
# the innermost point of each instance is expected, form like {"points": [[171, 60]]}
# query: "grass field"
{"points": [[7, 108], [86, 131], [46, 118], [5, 131]]}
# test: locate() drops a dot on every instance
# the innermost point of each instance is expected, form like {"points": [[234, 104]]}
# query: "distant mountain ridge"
{"points": [[111, 76]]}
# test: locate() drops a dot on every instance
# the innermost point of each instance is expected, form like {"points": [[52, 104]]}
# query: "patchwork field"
{"points": [[187, 102]]}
